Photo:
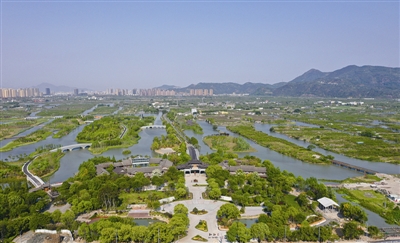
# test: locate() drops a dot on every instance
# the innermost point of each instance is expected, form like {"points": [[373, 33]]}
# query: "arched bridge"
{"points": [[73, 147], [153, 126]]}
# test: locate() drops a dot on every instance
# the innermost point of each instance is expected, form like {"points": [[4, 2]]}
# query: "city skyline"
{"points": [[133, 44]]}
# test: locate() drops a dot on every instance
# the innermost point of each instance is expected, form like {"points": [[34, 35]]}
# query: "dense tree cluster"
{"points": [[21, 211], [106, 132], [86, 191], [126, 230], [353, 212]]}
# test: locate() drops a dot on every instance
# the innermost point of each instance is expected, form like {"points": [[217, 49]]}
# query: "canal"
{"points": [[69, 164]]}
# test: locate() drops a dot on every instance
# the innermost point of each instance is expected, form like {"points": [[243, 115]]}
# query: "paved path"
{"points": [[211, 206], [36, 181]]}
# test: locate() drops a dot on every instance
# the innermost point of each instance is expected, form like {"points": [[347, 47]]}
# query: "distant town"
{"points": [[34, 92]]}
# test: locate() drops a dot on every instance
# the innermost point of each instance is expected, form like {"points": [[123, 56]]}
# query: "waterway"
{"points": [[69, 164], [373, 218], [377, 166], [297, 167]]}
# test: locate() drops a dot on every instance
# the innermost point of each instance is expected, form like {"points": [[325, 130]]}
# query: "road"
{"points": [[211, 206], [123, 132], [29, 174], [192, 152]]}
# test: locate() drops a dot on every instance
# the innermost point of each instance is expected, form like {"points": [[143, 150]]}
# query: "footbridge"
{"points": [[35, 180], [153, 126], [73, 147], [354, 167]]}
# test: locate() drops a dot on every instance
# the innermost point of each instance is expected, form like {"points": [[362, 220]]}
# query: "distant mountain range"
{"points": [[350, 81], [229, 88]]}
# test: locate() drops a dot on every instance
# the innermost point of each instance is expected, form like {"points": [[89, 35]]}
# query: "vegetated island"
{"points": [[228, 143], [364, 146], [60, 127], [280, 145], [113, 132]]}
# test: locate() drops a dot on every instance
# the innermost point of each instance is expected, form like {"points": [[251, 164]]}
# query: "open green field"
{"points": [[106, 132], [34, 137], [374, 201], [279, 145], [104, 110], [46, 164], [63, 126], [13, 113], [139, 197], [67, 109], [228, 143], [356, 146], [11, 129]]}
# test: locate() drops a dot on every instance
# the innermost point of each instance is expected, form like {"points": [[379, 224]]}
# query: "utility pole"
{"points": [[319, 233], [158, 234], [284, 240]]}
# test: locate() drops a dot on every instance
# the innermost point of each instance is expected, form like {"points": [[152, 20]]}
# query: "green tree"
{"points": [[139, 233], [180, 193], [215, 193], [228, 211], [238, 232], [159, 232], [180, 208], [353, 211], [351, 230], [260, 231], [68, 218], [373, 231]]}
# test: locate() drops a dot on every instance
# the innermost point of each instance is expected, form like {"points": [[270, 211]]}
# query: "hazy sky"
{"points": [[141, 44]]}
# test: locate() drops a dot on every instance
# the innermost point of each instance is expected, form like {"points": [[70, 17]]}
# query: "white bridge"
{"points": [[153, 126], [73, 147]]}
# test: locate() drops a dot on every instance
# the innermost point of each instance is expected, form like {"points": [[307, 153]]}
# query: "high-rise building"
{"points": [[76, 91], [47, 91]]}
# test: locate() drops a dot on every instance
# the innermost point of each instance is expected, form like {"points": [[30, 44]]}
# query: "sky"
{"points": [[145, 44]]}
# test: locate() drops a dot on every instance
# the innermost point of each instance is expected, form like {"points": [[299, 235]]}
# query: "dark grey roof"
{"points": [[125, 167], [155, 160], [190, 164], [244, 168]]}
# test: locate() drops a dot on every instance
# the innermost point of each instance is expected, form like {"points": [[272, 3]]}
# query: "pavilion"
{"points": [[327, 204]]}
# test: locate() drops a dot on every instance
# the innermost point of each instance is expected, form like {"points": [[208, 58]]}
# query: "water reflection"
{"points": [[377, 166], [297, 167], [373, 218]]}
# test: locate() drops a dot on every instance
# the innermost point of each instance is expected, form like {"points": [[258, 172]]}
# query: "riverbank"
{"points": [[280, 145], [355, 146], [32, 138], [374, 196], [45, 165], [228, 144]]}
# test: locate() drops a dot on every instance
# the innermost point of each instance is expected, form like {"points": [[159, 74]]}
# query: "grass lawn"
{"points": [[202, 225], [139, 197], [367, 179], [228, 143], [374, 198]]}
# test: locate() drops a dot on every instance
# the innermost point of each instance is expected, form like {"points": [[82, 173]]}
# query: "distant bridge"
{"points": [[153, 126], [73, 147], [354, 167]]}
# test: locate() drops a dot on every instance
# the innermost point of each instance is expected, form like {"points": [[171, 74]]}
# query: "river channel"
{"points": [[70, 162]]}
